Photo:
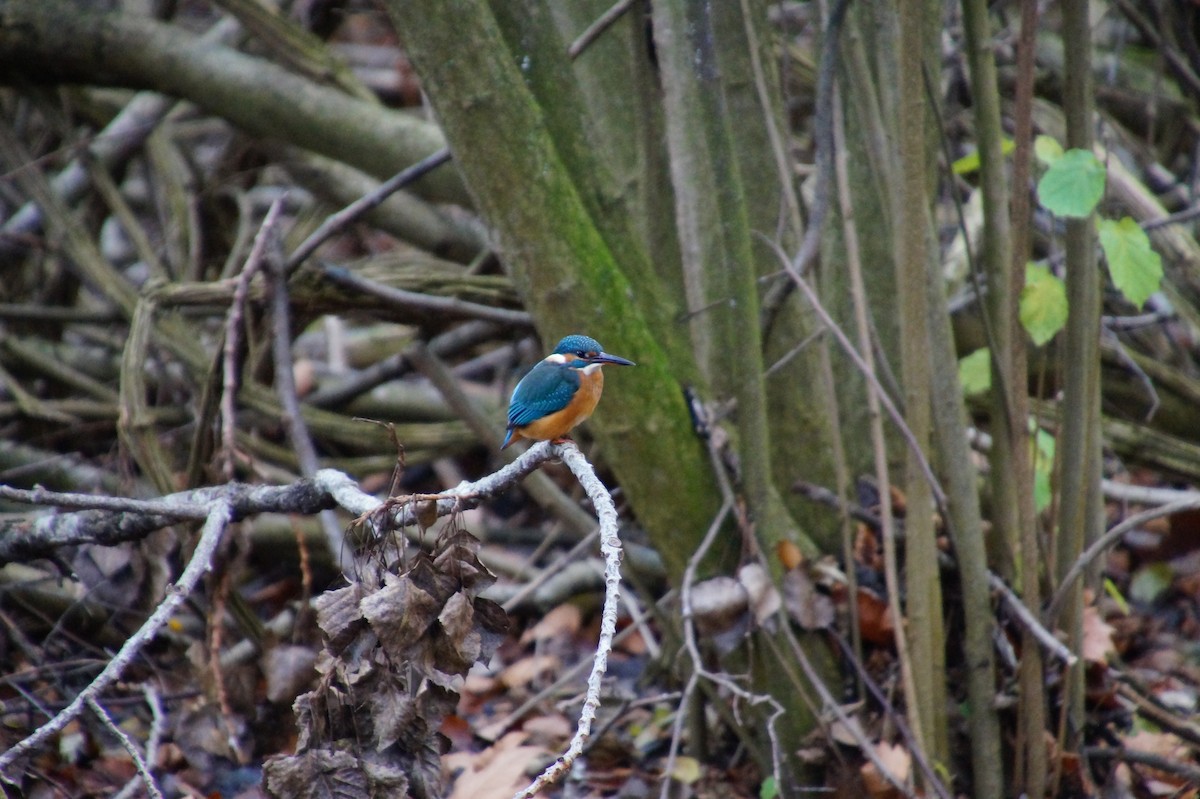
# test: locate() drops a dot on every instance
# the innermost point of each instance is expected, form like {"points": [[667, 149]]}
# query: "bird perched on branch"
{"points": [[560, 392]]}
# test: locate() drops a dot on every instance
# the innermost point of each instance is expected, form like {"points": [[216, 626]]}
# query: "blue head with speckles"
{"points": [[580, 351], [579, 346]]}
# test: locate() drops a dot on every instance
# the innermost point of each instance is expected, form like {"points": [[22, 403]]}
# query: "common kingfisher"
{"points": [[560, 392]]}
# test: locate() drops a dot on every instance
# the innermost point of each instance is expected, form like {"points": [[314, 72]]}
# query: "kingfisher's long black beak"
{"points": [[617, 360]]}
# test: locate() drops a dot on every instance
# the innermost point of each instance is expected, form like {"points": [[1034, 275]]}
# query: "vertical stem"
{"points": [[1032, 708], [1009, 429], [854, 270], [1079, 518], [1011, 474], [924, 611]]}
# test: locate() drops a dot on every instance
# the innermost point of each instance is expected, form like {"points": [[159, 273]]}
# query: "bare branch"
{"points": [[338, 222], [610, 547], [127, 743], [112, 521]]}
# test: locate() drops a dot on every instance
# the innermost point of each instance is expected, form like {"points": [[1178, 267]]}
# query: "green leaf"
{"points": [[1115, 595], [1073, 184], [688, 770], [1043, 307], [975, 372], [1043, 469], [1151, 582], [970, 162], [1047, 149], [1136, 269], [769, 789]]}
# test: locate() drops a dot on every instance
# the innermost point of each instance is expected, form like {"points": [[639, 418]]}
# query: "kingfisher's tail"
{"points": [[508, 437]]}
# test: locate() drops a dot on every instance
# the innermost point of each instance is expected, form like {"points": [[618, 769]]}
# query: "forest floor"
{"points": [[211, 703]]}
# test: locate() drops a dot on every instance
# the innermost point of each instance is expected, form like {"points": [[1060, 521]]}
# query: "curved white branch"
{"points": [[610, 547]]}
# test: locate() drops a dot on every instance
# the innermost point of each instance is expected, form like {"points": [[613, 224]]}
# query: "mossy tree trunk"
{"points": [[517, 127], [561, 260]]}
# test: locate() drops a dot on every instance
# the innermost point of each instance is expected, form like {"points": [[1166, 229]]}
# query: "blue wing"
{"points": [[547, 388]]}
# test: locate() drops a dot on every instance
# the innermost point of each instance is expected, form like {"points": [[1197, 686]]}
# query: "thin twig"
{"points": [[285, 389], [220, 514], [352, 212], [850, 725], [872, 379], [1030, 622], [548, 573], [233, 329], [127, 743], [41, 313], [153, 738], [677, 731], [1179, 217], [1145, 495], [821, 494], [896, 717], [1155, 761], [699, 671], [494, 730], [594, 31], [116, 520], [1108, 539], [1146, 704], [166, 506], [610, 547], [810, 245], [426, 303], [850, 239], [216, 634], [132, 519], [460, 337], [285, 379], [1108, 337], [1138, 321]]}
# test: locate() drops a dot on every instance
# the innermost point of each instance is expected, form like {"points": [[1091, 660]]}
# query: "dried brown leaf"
{"points": [[288, 670], [875, 620], [1097, 636], [459, 556], [1168, 746], [562, 621], [499, 771], [493, 624], [719, 605], [898, 762], [392, 711], [339, 615], [458, 623], [789, 555], [320, 773], [528, 669], [329, 774], [400, 614], [810, 608], [763, 596]]}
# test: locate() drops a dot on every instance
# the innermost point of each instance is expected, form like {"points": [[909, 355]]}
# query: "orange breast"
{"points": [[559, 423]]}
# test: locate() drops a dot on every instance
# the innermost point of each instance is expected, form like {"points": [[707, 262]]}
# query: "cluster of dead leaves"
{"points": [[398, 647]]}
